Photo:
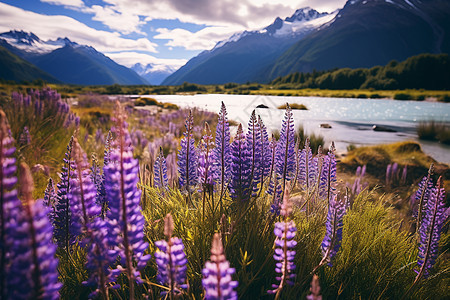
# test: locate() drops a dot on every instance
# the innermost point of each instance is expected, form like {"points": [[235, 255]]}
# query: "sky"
{"points": [[161, 32]]}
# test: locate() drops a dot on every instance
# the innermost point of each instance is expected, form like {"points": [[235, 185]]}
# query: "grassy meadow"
{"points": [[217, 214]]}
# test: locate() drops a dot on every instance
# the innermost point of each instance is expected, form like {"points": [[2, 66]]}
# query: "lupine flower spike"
{"points": [[217, 280], [240, 188], [82, 194], [205, 164], [222, 153], [328, 179], [333, 235], [62, 212], [285, 154], [187, 157], [33, 273], [123, 195], [315, 289], [8, 195], [160, 169], [253, 139], [266, 153], [423, 194], [284, 244], [430, 230], [50, 199], [171, 261]]}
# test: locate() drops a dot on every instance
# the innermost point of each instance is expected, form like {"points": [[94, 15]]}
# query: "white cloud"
{"points": [[200, 40], [52, 27], [123, 22], [73, 3], [131, 58]]}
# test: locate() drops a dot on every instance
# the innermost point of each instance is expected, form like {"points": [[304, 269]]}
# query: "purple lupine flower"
{"points": [[8, 195], [265, 150], [96, 176], [253, 140], [306, 167], [61, 222], [160, 171], [171, 260], [25, 137], [274, 189], [205, 159], [423, 194], [217, 280], [187, 157], [108, 145], [318, 164], [102, 255], [284, 243], [222, 151], [123, 196], [285, 154], [240, 168], [333, 235], [33, 270], [83, 208], [404, 173], [50, 199], [273, 150], [388, 174], [315, 289], [430, 230], [297, 152], [328, 178]]}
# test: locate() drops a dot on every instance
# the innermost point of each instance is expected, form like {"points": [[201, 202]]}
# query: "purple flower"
{"points": [[285, 152], [187, 157], [102, 255], [434, 217], [62, 216], [33, 271], [222, 151], [160, 171], [253, 139], [171, 260], [306, 171], [240, 168], [423, 194], [50, 199], [8, 195], [284, 243], [265, 159], [83, 208], [25, 137], [217, 280], [333, 236], [205, 160], [328, 178], [123, 196]]}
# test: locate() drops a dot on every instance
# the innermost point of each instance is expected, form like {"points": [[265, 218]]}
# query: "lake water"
{"points": [[351, 119]]}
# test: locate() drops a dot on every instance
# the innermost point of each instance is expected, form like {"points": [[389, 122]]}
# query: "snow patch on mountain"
{"points": [[303, 20], [30, 43]]}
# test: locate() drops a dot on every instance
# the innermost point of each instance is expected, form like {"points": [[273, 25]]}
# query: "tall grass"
{"points": [[434, 131]]}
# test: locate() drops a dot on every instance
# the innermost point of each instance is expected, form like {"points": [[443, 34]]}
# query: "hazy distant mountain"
{"points": [[244, 56], [12, 67], [154, 74], [366, 33], [69, 62]]}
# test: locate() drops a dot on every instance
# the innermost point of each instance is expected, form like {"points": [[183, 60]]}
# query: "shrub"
{"points": [[403, 96], [297, 106]]}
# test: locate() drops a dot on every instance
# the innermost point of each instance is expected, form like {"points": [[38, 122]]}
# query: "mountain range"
{"points": [[64, 60], [364, 33]]}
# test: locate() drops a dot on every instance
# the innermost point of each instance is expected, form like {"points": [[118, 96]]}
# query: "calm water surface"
{"points": [[351, 119]]}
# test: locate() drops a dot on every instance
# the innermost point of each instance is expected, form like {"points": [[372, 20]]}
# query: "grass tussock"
{"points": [[297, 106], [434, 131]]}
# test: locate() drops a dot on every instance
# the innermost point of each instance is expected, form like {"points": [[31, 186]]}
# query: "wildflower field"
{"points": [[167, 204]]}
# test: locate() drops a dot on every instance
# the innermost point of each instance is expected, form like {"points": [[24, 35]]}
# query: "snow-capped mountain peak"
{"points": [[29, 42], [303, 20]]}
